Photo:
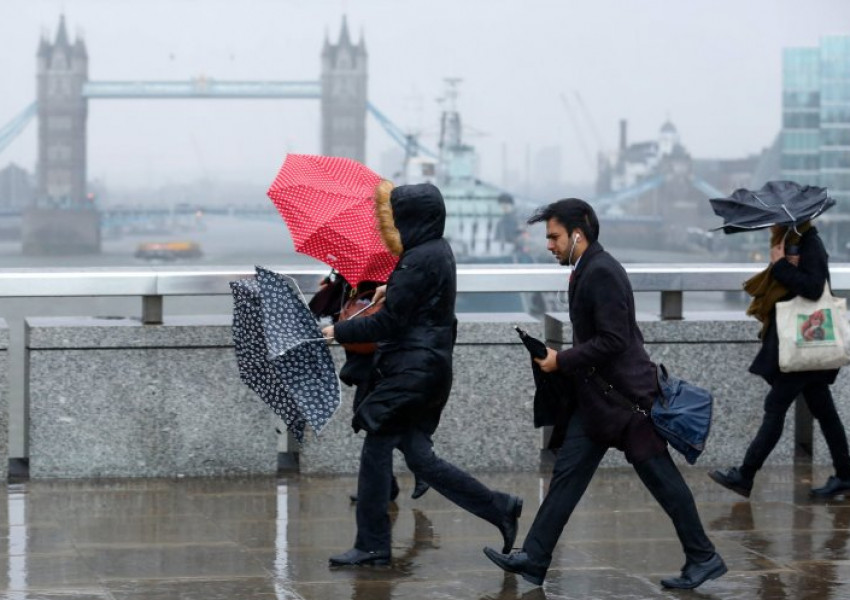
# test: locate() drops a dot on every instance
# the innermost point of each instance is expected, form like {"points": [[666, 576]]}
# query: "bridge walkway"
{"points": [[269, 538]]}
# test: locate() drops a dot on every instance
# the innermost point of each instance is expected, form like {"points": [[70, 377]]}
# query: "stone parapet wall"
{"points": [[486, 425], [716, 354], [114, 398]]}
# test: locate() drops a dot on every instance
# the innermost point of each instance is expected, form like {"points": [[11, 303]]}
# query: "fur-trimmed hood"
{"points": [[409, 215]]}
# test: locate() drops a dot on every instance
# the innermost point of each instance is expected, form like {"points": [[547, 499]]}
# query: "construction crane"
{"points": [[579, 135], [600, 147]]}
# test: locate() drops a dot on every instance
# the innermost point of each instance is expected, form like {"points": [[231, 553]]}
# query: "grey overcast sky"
{"points": [[712, 66]]}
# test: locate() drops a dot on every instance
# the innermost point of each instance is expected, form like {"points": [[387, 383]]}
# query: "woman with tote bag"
{"points": [[798, 267]]}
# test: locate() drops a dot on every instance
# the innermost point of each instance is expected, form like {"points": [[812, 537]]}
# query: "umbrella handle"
{"points": [[365, 308]]}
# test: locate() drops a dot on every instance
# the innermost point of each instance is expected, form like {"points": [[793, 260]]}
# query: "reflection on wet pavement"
{"points": [[266, 538]]}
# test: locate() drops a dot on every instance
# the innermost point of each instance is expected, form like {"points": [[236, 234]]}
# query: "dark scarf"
{"points": [[764, 289]]}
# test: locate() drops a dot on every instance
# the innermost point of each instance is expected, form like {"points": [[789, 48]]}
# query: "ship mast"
{"points": [[450, 126]]}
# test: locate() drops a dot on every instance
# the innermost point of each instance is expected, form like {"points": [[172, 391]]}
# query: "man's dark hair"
{"points": [[573, 214]]}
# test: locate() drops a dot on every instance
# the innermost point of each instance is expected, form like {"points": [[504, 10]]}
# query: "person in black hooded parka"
{"points": [[333, 295], [412, 374]]}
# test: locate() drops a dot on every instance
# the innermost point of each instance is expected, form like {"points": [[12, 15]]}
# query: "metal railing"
{"points": [[152, 284]]}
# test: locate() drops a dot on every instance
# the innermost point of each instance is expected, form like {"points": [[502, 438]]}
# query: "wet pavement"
{"points": [[266, 538]]}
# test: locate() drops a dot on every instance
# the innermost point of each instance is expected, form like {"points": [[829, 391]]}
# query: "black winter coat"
{"points": [[806, 279], [416, 329], [606, 337]]}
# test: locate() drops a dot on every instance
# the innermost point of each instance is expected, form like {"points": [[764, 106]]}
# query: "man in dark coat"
{"points": [[412, 377], [607, 352], [803, 274]]}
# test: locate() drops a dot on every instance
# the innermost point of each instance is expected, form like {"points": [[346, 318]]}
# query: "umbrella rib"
{"points": [[760, 201], [305, 340], [295, 285], [788, 212]]}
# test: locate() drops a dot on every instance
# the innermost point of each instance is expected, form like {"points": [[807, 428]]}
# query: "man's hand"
{"points": [[550, 363], [380, 294], [328, 332]]}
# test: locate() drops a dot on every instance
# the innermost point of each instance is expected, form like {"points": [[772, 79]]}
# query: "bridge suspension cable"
{"points": [[407, 141], [13, 128]]}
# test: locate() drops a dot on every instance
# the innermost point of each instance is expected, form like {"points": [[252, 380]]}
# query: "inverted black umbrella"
{"points": [[281, 353], [777, 203]]}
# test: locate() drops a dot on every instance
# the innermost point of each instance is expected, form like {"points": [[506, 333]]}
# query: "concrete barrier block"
{"points": [[114, 398]]}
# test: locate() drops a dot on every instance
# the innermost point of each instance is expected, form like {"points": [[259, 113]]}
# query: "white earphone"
{"points": [[565, 300]]}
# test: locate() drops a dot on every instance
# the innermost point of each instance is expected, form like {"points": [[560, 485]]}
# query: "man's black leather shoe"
{"points": [[832, 487], [732, 479], [510, 524], [695, 574], [519, 563], [357, 558], [419, 489]]}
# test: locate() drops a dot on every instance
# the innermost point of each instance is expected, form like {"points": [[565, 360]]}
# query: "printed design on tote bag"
{"points": [[815, 329]]}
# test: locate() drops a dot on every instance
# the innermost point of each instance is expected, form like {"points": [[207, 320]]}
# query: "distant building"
{"points": [[633, 163], [816, 116], [652, 179], [730, 174], [656, 188], [17, 188]]}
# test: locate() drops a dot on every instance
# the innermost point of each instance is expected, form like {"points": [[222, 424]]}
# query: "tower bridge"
{"points": [[63, 219]]}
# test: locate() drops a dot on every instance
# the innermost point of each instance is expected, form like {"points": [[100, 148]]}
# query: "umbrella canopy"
{"points": [[776, 203], [281, 353], [328, 206]]}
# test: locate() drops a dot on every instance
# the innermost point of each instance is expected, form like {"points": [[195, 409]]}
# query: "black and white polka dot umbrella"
{"points": [[281, 353]]}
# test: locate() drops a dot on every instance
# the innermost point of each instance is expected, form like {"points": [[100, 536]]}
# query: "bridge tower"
{"points": [[62, 220], [62, 111], [344, 96]]}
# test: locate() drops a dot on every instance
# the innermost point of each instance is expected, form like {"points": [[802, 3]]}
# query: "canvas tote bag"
{"points": [[814, 335]]}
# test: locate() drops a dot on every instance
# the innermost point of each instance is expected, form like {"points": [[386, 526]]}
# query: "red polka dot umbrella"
{"points": [[327, 205]]}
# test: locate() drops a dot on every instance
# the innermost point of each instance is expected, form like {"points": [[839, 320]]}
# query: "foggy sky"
{"points": [[712, 66]]}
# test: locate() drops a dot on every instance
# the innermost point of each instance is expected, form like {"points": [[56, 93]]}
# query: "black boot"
{"points": [[518, 562], [419, 489], [732, 479]]}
